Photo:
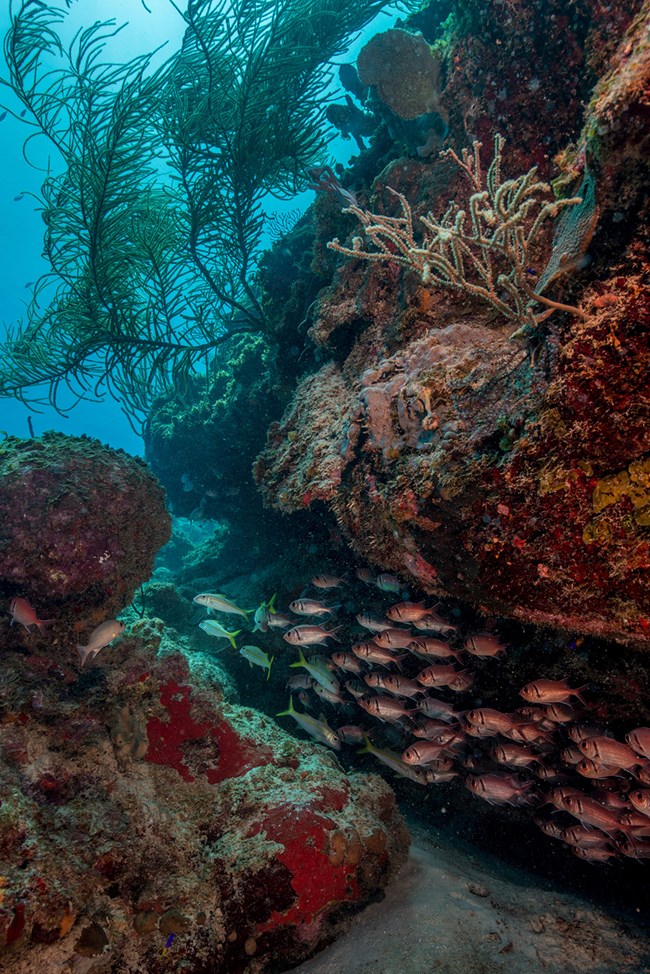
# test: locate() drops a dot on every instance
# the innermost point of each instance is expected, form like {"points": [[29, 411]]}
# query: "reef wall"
{"points": [[510, 471]]}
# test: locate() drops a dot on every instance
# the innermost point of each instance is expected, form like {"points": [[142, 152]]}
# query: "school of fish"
{"points": [[410, 669]]}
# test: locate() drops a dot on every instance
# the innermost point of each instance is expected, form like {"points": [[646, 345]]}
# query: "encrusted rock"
{"points": [[80, 523]]}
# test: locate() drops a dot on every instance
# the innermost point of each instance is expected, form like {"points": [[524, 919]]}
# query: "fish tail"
{"points": [[271, 604], [84, 653], [301, 658], [231, 638], [268, 672], [290, 711], [332, 631], [578, 693], [367, 746]]}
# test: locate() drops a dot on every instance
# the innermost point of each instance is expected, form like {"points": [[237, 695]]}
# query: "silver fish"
{"points": [[105, 633], [310, 607], [318, 729], [309, 635]]}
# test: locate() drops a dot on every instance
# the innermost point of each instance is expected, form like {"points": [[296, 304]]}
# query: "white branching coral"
{"points": [[482, 249]]}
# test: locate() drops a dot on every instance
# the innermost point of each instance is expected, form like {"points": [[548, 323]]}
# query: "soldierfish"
{"points": [[371, 653], [490, 719], [437, 675], [429, 646], [639, 741], [327, 581], [549, 691], [220, 603], [393, 638], [499, 789], [347, 662], [318, 729], [22, 611], [606, 751], [591, 812], [399, 686], [408, 611], [373, 623], [105, 633], [310, 607], [280, 620], [423, 752], [385, 708], [257, 657], [309, 635], [484, 644]]}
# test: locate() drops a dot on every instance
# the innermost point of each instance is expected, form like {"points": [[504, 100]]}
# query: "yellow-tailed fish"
{"points": [[220, 603], [257, 657], [318, 729], [391, 759], [319, 671], [214, 628]]}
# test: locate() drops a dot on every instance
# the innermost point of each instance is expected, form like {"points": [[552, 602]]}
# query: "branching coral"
{"points": [[483, 249]]}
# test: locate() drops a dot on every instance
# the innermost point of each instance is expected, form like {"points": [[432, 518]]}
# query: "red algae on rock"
{"points": [[143, 807]]}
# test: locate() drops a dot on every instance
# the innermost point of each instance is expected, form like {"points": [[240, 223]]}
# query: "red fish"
{"points": [[499, 789], [549, 691], [639, 741], [24, 613]]}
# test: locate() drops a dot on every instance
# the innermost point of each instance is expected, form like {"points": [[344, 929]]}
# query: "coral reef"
{"points": [[513, 477], [80, 525], [134, 806]]}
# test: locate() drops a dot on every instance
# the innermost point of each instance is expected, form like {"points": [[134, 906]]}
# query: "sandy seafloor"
{"points": [[458, 912]]}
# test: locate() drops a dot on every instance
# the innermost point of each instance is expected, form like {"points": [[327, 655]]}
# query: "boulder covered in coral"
{"points": [[146, 823], [512, 474], [80, 524]]}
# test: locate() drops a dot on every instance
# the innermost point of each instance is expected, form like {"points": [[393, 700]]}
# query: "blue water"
{"points": [[21, 227]]}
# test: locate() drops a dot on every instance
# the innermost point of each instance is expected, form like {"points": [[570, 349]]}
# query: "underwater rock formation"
{"points": [[80, 523], [142, 818], [513, 476]]}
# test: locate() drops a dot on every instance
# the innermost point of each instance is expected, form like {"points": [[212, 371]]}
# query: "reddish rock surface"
{"points": [[133, 807], [80, 523], [515, 477]]}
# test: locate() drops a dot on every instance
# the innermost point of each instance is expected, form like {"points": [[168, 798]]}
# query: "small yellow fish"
{"points": [[318, 729], [214, 628], [257, 657]]}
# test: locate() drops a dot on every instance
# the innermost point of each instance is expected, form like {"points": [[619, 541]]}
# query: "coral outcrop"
{"points": [[145, 823], [513, 476], [80, 524]]}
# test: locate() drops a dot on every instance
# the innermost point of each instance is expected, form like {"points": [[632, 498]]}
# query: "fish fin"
{"points": [[271, 604], [290, 711], [268, 672], [231, 638]]}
